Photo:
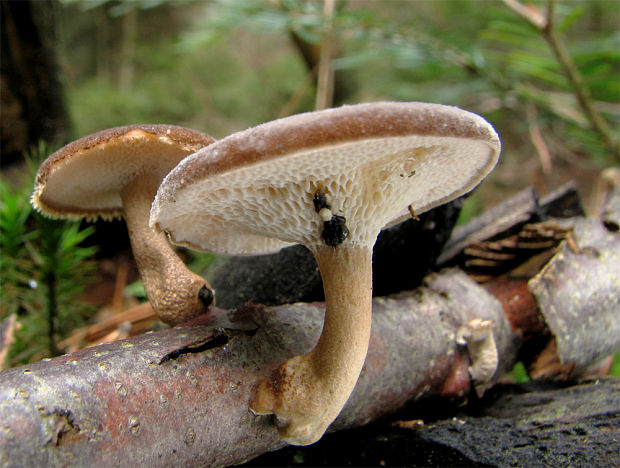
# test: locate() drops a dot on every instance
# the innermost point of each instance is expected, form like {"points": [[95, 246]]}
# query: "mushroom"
{"points": [[330, 180], [114, 173]]}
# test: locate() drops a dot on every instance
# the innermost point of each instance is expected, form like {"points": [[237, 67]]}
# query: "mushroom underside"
{"points": [[371, 184]]}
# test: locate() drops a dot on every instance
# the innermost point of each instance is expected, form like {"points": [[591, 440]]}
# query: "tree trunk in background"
{"points": [[32, 100], [311, 55], [128, 50], [341, 85], [325, 78]]}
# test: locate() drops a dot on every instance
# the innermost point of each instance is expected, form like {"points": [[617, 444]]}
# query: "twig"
{"points": [[546, 25], [179, 397], [537, 140], [530, 12], [295, 98], [7, 337], [138, 313], [119, 288], [325, 85]]}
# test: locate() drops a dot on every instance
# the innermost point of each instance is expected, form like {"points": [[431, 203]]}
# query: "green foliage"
{"points": [[518, 374], [255, 16], [472, 207], [16, 263], [224, 65], [43, 271], [532, 74], [136, 289], [615, 367], [217, 89]]}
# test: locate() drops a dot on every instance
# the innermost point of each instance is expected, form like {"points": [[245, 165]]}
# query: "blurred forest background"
{"points": [[545, 74]]}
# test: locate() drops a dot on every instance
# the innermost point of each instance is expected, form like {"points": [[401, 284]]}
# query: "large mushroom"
{"points": [[114, 173], [330, 180]]}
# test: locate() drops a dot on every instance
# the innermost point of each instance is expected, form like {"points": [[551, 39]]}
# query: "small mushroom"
{"points": [[330, 180], [114, 173]]}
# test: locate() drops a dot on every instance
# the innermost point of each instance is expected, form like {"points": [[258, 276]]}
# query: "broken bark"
{"points": [[508, 218], [582, 311]]}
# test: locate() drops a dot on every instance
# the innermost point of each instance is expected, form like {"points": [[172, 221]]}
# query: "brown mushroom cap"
{"points": [[84, 179], [253, 191]]}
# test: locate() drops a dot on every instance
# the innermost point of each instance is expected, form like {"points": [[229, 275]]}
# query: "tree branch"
{"points": [[180, 396], [325, 81]]}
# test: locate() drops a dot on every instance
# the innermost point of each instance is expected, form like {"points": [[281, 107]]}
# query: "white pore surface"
{"points": [[268, 205]]}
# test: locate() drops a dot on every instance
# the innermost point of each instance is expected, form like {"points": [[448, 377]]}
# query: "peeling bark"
{"points": [[582, 308]]}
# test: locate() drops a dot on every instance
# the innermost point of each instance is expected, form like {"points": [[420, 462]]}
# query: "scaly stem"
{"points": [[176, 293], [308, 392]]}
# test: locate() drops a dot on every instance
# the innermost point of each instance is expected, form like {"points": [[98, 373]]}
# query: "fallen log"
{"points": [[582, 311], [180, 396]]}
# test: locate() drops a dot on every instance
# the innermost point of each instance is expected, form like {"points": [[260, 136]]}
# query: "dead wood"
{"points": [[7, 337], [180, 396], [582, 310], [508, 218]]}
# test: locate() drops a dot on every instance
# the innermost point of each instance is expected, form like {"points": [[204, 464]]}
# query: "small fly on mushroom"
{"points": [[334, 230]]}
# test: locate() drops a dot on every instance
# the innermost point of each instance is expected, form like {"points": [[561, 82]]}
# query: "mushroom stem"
{"points": [[308, 392], [176, 293]]}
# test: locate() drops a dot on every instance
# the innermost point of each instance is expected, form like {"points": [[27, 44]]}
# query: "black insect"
{"points": [[320, 201], [335, 231]]}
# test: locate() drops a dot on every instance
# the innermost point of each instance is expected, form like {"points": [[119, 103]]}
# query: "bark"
{"points": [[537, 425], [533, 424], [509, 217], [611, 209], [180, 396], [582, 311]]}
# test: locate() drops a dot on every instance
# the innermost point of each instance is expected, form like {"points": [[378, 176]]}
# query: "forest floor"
{"points": [[531, 424]]}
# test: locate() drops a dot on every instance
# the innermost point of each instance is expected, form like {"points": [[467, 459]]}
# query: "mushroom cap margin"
{"points": [[313, 132], [91, 171]]}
